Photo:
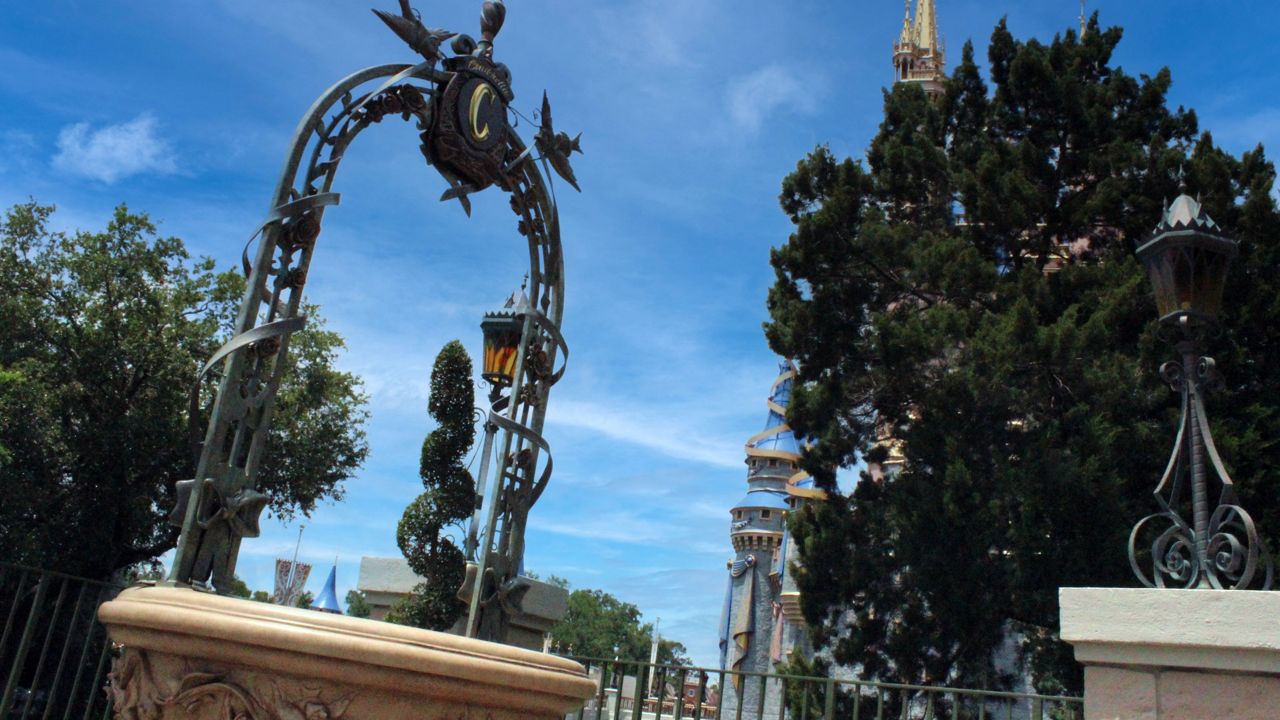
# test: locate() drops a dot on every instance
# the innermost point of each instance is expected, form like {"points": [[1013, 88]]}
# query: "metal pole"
{"points": [[44, 651], [293, 570], [24, 644], [476, 517], [66, 647], [84, 657], [13, 610], [604, 671], [702, 694], [621, 673], [97, 680], [482, 562], [1199, 494]]}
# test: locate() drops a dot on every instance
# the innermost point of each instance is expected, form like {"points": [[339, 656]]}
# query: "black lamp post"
{"points": [[1187, 260]]}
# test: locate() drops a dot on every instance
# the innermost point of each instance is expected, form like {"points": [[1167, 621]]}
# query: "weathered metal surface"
{"points": [[461, 112]]}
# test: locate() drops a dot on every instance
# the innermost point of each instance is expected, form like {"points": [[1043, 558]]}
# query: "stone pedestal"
{"points": [[194, 656], [1175, 654]]}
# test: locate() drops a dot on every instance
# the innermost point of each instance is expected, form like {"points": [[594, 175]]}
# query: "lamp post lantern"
{"points": [[502, 330], [1187, 260]]}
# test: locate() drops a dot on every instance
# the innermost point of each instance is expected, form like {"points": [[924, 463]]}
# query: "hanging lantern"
{"points": [[502, 331], [1187, 261]]}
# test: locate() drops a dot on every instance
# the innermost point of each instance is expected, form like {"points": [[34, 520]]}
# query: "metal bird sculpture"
{"points": [[556, 147], [423, 40]]}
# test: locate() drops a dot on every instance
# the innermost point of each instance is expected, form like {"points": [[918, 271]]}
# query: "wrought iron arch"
{"points": [[470, 141]]}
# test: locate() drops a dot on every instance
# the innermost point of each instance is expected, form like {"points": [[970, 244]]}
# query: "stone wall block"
{"points": [[1119, 694], [1198, 695], [1163, 654]]}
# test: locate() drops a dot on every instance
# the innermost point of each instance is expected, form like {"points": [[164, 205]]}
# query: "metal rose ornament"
{"points": [[1187, 260]]}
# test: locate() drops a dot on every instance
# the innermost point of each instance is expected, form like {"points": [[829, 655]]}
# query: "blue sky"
{"points": [[691, 111]]}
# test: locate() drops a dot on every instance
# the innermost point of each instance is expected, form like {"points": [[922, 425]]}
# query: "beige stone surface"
{"points": [[1176, 654], [1119, 694], [1197, 696], [189, 654], [1237, 631]]}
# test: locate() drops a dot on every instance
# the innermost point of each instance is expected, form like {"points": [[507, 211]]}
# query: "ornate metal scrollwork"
{"points": [[461, 106], [1220, 549]]}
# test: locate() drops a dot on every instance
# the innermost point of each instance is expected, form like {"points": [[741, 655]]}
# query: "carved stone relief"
{"points": [[162, 687]]}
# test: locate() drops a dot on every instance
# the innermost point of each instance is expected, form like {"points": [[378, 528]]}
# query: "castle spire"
{"points": [[926, 25], [904, 37], [918, 55]]}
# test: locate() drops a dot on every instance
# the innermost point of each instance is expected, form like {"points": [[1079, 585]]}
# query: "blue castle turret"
{"points": [[328, 599], [760, 622]]}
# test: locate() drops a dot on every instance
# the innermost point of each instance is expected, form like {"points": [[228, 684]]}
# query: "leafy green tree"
{"points": [[447, 500], [357, 604], [239, 588], [1031, 417], [599, 625], [101, 334]]}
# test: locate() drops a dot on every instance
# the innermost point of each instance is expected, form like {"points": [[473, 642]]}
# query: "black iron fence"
{"points": [[54, 655], [628, 690]]}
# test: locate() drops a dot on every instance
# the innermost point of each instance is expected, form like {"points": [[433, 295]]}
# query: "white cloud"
{"points": [[632, 525], [654, 428], [115, 151], [755, 96]]}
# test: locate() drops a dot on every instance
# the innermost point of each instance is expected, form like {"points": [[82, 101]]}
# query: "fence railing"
{"points": [[54, 655], [629, 690]]}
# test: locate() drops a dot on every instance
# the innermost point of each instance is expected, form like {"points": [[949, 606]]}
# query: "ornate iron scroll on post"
{"points": [[461, 110], [495, 540], [1187, 261]]}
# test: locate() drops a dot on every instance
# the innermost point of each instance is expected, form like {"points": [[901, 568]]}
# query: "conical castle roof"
{"points": [[777, 436], [328, 599]]}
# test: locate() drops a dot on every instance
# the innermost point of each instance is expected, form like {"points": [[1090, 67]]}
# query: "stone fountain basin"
{"points": [[189, 654]]}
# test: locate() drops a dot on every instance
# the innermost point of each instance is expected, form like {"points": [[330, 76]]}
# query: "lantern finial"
{"points": [[1187, 260]]}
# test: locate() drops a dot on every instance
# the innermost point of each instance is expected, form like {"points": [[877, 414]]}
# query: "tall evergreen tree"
{"points": [[448, 497], [1031, 417]]}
